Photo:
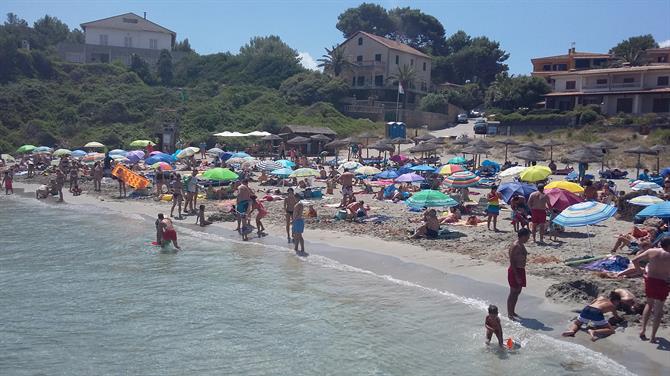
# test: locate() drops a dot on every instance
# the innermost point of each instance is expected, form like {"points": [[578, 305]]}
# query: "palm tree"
{"points": [[334, 61], [405, 76]]}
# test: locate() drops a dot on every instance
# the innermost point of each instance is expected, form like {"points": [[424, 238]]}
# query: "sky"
{"points": [[525, 29]]}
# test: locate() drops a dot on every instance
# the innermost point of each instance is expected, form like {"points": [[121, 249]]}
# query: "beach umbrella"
{"points": [[560, 199], [214, 152], [388, 174], [240, 154], [511, 171], [367, 171], [271, 137], [509, 190], [7, 158], [463, 179], [550, 143], [61, 152], [645, 200], [42, 150], [320, 138], [94, 145], [665, 172], [530, 155], [639, 150], [298, 140], [644, 185], [268, 165], [236, 161], [155, 152], [660, 210], [401, 140], [162, 166], [566, 186], [423, 148], [423, 168], [531, 145], [584, 155], [399, 158], [304, 173], [457, 160], [119, 158], [282, 172], [480, 143], [424, 137], [78, 153], [430, 198], [135, 156], [350, 165], [286, 163], [141, 143], [160, 157], [409, 177], [449, 169], [25, 149], [220, 174], [91, 158], [584, 214], [118, 152], [535, 173], [187, 152]]}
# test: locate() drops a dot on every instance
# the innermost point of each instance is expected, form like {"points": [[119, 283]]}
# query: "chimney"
{"points": [[145, 15]]}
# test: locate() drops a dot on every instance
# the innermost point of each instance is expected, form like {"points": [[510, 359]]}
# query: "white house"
{"points": [[128, 30]]}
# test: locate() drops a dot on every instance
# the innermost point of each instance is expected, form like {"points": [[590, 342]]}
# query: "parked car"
{"points": [[480, 120], [480, 128], [462, 118]]}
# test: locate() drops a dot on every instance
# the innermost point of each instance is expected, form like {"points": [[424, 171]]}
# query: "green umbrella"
{"points": [[141, 143], [25, 149], [62, 152], [220, 174], [430, 198], [457, 160]]}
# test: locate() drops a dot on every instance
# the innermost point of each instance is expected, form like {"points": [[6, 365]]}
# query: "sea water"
{"points": [[83, 292]]}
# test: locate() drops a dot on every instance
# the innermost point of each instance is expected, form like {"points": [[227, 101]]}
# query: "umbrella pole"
{"points": [[639, 159], [506, 153], [588, 236]]}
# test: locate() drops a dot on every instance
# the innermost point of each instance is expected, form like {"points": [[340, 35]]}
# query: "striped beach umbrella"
{"points": [[535, 173], [268, 165], [430, 198], [463, 179], [645, 200], [282, 172], [646, 185], [584, 214], [566, 186], [449, 169]]}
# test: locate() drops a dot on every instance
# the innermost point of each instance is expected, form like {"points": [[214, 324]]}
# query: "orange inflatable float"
{"points": [[129, 177]]}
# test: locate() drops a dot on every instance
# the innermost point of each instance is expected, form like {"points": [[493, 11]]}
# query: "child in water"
{"points": [[258, 206], [200, 219], [493, 326]]}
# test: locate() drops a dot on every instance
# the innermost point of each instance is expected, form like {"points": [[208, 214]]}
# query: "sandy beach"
{"points": [[554, 290]]}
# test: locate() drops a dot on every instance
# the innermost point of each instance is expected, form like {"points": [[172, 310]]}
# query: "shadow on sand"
{"points": [[534, 324]]}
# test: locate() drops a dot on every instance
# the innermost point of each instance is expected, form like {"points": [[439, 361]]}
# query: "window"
{"points": [[662, 59], [628, 80], [360, 81], [424, 87], [570, 85], [599, 62], [397, 59], [378, 57], [424, 66], [130, 20], [661, 105], [379, 80], [601, 81], [103, 39], [153, 44], [662, 81], [353, 81], [546, 67], [624, 105], [411, 62], [127, 41], [560, 67], [582, 63], [360, 41], [359, 58]]}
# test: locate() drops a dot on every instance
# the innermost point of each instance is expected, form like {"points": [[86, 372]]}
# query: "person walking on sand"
{"points": [[493, 208], [594, 313], [177, 195], [169, 233], [122, 183], [656, 285], [289, 204], [74, 176], [347, 181], [7, 182], [97, 177], [516, 273], [298, 228], [538, 203]]}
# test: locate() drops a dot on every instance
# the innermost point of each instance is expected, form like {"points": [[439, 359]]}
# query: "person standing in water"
{"points": [[289, 204], [656, 285], [169, 233], [159, 231], [243, 202], [7, 181], [298, 227], [516, 273]]}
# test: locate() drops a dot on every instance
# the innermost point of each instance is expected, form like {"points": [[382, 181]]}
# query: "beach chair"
{"points": [[660, 237]]}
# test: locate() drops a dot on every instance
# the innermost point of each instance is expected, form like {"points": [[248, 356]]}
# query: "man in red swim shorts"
{"points": [[516, 273], [656, 284], [538, 203], [169, 233]]}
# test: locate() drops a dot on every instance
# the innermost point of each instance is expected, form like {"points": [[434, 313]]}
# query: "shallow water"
{"points": [[82, 292]]}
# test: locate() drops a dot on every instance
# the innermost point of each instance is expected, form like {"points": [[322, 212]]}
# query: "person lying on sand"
{"points": [[453, 216], [634, 238], [430, 228], [594, 313]]}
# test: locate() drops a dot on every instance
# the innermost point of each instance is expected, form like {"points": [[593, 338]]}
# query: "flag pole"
{"points": [[397, 102]]}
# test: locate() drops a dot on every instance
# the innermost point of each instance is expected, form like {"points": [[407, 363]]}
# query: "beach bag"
{"points": [[341, 214]]}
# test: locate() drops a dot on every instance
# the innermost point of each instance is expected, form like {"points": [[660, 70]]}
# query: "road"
{"points": [[458, 130]]}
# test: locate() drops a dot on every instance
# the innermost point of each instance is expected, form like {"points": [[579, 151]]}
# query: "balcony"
{"points": [[595, 87], [369, 64], [626, 86]]}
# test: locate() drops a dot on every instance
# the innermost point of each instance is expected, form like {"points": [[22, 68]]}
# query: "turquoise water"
{"points": [[82, 293]]}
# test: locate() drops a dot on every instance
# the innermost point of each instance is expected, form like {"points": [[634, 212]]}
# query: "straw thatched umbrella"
{"points": [[481, 143], [530, 155], [298, 140], [507, 142], [476, 151], [320, 139], [400, 140], [550, 143], [639, 150], [424, 137], [659, 149], [336, 145], [367, 136], [584, 155], [602, 147], [531, 145], [461, 141]]}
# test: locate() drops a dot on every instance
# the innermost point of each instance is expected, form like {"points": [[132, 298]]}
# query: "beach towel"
{"points": [[376, 219], [610, 264], [464, 222]]}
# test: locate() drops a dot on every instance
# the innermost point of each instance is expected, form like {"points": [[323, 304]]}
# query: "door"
{"points": [[624, 105]]}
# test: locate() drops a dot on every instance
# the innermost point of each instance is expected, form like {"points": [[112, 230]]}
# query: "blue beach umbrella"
{"points": [[584, 214], [282, 172], [661, 210], [226, 155], [507, 190], [286, 163], [240, 154], [160, 157], [42, 149], [406, 169], [423, 167], [78, 153], [665, 172], [118, 152], [388, 174]]}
